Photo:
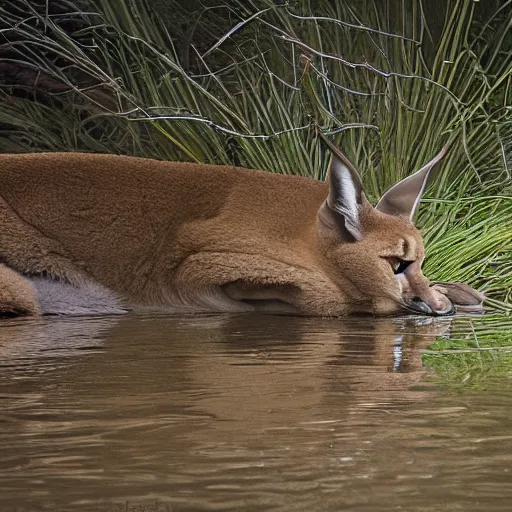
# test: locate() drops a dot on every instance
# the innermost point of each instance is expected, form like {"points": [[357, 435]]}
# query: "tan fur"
{"points": [[187, 237], [17, 296]]}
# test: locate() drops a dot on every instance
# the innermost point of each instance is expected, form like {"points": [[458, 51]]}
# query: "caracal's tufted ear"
{"points": [[346, 195], [404, 197]]}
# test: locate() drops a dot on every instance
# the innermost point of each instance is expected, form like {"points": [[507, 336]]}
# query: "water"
{"points": [[155, 413]]}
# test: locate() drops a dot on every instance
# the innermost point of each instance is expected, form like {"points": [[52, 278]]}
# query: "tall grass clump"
{"points": [[250, 83]]}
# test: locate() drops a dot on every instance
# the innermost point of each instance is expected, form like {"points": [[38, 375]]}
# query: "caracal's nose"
{"points": [[423, 297]]}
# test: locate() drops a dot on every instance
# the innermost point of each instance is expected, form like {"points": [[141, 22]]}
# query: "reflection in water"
{"points": [[241, 412]]}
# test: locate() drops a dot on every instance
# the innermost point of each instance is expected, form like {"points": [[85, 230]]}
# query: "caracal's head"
{"points": [[374, 254]]}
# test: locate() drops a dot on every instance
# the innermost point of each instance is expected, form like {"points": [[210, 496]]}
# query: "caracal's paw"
{"points": [[463, 297], [17, 295]]}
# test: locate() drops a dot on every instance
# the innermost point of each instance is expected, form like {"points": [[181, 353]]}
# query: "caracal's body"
{"points": [[86, 234]]}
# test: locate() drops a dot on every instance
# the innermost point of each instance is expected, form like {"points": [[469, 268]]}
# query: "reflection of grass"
{"points": [[477, 354]]}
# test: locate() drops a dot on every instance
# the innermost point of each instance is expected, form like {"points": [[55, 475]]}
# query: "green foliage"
{"points": [[249, 83], [475, 233]]}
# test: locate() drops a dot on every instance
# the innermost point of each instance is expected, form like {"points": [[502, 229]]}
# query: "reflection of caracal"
{"points": [[242, 363], [88, 234]]}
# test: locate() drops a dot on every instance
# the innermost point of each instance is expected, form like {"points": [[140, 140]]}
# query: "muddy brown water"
{"points": [[245, 412]]}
